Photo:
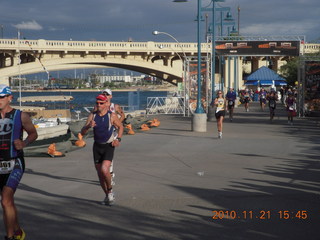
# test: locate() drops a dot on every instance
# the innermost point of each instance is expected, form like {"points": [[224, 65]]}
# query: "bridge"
{"points": [[160, 59]]}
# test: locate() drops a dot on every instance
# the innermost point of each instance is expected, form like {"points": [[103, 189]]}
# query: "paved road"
{"points": [[170, 182]]}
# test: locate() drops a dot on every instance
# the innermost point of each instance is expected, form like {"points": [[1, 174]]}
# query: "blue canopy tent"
{"points": [[280, 83], [253, 83], [266, 82], [264, 76]]}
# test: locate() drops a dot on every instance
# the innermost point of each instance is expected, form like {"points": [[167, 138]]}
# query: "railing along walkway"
{"points": [[165, 105]]}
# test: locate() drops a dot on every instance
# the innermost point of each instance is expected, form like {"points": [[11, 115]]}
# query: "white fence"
{"points": [[165, 105]]}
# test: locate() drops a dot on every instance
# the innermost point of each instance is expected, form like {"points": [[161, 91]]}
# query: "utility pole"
{"points": [[238, 20], [1, 31]]}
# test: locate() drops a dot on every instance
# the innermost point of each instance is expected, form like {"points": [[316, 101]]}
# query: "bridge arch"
{"points": [[41, 55], [162, 60]]}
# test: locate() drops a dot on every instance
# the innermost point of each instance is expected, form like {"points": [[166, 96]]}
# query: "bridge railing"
{"points": [[87, 46], [165, 105], [150, 46]]}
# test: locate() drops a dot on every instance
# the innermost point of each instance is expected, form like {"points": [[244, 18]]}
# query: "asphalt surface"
{"points": [[172, 183]]}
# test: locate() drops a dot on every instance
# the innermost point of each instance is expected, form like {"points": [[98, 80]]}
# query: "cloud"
{"points": [[31, 25], [53, 29]]}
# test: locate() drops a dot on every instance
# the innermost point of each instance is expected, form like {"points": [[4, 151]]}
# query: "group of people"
{"points": [[106, 122], [270, 97], [227, 103]]}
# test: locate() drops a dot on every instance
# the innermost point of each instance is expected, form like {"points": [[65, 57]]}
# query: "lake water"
{"points": [[87, 99]]}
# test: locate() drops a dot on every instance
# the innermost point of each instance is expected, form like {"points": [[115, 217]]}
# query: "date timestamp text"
{"points": [[259, 214]]}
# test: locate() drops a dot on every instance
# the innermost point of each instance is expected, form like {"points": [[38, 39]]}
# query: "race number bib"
{"points": [[291, 108], [6, 166]]}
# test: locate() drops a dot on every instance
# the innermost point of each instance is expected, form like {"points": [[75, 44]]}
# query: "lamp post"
{"points": [[183, 64], [199, 123], [213, 43], [211, 111], [1, 30], [238, 20], [179, 44]]}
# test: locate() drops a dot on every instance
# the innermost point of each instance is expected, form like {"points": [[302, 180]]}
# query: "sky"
{"points": [[123, 20], [135, 20]]}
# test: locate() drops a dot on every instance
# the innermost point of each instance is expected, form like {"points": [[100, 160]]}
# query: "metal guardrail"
{"points": [[165, 105]]}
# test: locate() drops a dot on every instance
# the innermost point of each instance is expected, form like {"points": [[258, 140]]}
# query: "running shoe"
{"points": [[111, 198], [220, 135], [105, 201], [19, 234]]}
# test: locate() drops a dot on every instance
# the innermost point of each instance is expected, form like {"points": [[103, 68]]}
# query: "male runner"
{"points": [[115, 108], [12, 165], [231, 99], [103, 122]]}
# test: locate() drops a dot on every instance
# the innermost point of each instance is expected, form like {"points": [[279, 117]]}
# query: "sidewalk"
{"points": [[170, 181]]}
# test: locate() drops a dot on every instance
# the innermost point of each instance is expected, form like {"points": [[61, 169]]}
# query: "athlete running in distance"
{"points": [[231, 99], [263, 98], [103, 122], [272, 98], [290, 103], [115, 108], [220, 103], [12, 165], [247, 100]]}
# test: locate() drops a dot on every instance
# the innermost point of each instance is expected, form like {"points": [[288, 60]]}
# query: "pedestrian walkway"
{"points": [[261, 181]]}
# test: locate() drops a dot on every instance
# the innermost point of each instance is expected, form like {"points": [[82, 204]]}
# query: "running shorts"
{"points": [[102, 151], [13, 178], [231, 104], [263, 101], [221, 113]]}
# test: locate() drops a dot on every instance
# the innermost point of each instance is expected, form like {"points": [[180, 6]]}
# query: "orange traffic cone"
{"points": [[130, 132], [52, 151], [155, 123], [144, 127], [80, 142]]}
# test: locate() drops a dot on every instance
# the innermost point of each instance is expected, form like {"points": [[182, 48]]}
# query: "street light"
{"points": [[233, 31], [199, 123], [229, 21], [183, 63], [1, 30], [179, 44], [211, 111]]}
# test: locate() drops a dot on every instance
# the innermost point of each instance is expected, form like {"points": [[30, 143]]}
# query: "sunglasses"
{"points": [[3, 96], [105, 93], [100, 103], [219, 92]]}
